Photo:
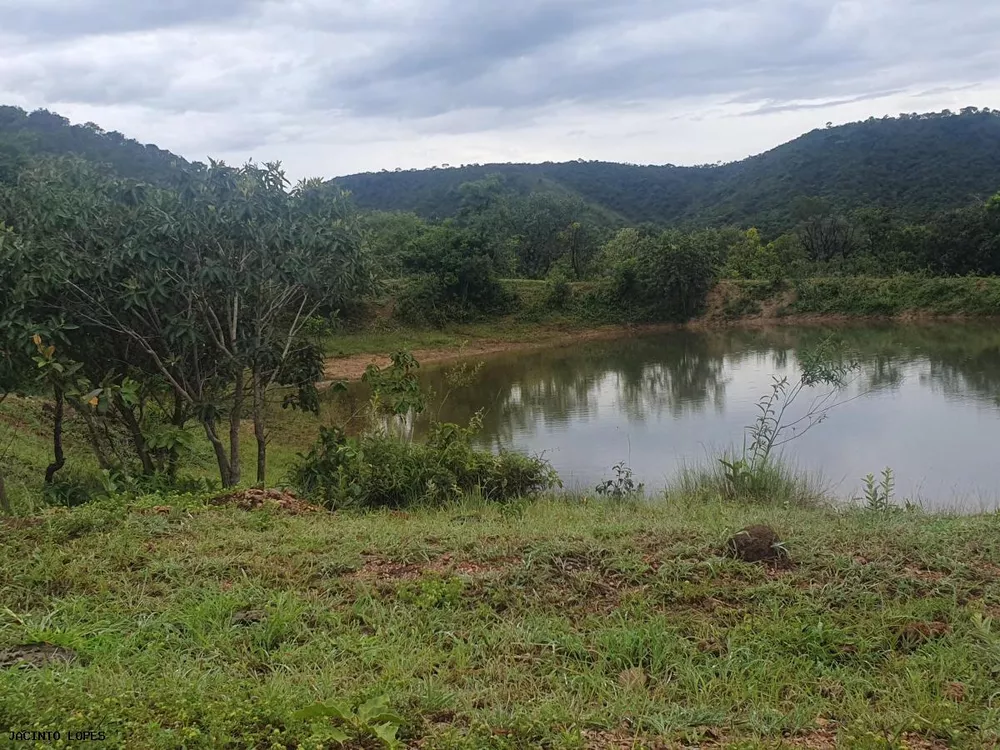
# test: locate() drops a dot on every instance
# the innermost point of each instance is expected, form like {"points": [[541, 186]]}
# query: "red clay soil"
{"points": [[353, 366], [255, 498]]}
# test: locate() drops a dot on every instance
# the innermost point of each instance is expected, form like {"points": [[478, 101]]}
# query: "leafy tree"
{"points": [[667, 279], [386, 235], [14, 360], [751, 258], [966, 241], [204, 290], [453, 278], [824, 234], [622, 246], [547, 227]]}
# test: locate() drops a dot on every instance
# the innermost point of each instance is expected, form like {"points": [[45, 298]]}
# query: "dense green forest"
{"points": [[25, 136], [913, 165]]}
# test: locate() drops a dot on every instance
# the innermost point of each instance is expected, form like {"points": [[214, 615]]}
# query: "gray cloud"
{"points": [[242, 75], [69, 18]]}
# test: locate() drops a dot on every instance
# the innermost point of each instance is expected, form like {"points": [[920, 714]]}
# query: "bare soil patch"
{"points": [[756, 544], [381, 569], [255, 498], [35, 655], [353, 366]]}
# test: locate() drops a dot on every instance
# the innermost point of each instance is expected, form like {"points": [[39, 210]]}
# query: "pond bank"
{"points": [[747, 304]]}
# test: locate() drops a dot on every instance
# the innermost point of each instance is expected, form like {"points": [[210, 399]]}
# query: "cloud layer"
{"points": [[333, 86]]}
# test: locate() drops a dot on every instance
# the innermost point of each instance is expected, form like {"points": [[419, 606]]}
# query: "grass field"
{"points": [[561, 623]]}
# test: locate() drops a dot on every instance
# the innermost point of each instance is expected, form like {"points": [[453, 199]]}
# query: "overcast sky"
{"points": [[331, 87]]}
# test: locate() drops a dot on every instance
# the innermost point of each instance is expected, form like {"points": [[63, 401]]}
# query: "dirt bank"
{"points": [[771, 311], [352, 367]]}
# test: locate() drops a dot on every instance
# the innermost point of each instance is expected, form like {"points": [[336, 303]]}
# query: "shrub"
{"points": [[453, 279], [668, 279], [375, 471], [558, 291]]}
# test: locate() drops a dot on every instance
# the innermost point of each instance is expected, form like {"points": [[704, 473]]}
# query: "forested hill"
{"points": [[914, 164], [24, 136]]}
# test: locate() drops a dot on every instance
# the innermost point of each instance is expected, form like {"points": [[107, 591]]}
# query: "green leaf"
{"points": [[323, 710], [338, 735], [372, 708], [387, 733]]}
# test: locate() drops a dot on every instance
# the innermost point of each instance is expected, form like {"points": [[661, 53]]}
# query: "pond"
{"points": [[924, 402]]}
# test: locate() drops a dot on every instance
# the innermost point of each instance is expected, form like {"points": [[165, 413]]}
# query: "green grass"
{"points": [[26, 444], [897, 296], [562, 623], [531, 318]]}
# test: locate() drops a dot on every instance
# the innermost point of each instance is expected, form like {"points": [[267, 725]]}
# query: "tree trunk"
{"points": [[4, 502], [138, 439], [95, 436], [225, 468], [258, 426], [57, 436], [178, 420], [235, 415]]}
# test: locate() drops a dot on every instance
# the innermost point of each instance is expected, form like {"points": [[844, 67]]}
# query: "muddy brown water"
{"points": [[923, 402]]}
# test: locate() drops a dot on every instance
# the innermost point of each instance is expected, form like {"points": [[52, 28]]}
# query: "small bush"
{"points": [[622, 487], [558, 292], [374, 471]]}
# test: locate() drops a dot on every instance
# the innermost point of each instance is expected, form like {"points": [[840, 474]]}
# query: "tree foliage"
{"points": [[667, 277], [913, 165], [452, 278], [200, 294]]}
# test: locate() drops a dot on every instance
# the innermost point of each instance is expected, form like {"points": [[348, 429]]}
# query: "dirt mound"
{"points": [[756, 544], [35, 655], [256, 498]]}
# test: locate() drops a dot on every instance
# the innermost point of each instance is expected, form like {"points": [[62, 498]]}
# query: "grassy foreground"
{"points": [[560, 623]]}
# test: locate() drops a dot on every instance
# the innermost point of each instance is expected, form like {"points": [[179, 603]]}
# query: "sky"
{"points": [[332, 87]]}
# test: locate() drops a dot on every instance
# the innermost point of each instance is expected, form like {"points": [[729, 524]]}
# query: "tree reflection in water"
{"points": [[694, 391]]}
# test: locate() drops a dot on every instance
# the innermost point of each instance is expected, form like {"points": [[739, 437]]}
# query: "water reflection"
{"points": [[665, 400]]}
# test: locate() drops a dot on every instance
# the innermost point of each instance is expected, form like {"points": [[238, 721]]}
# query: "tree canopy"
{"points": [[914, 165]]}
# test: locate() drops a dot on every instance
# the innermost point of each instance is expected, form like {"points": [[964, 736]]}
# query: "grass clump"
{"points": [[772, 483]]}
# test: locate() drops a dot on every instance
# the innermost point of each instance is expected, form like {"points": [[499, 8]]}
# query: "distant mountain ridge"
{"points": [[916, 165], [26, 135]]}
